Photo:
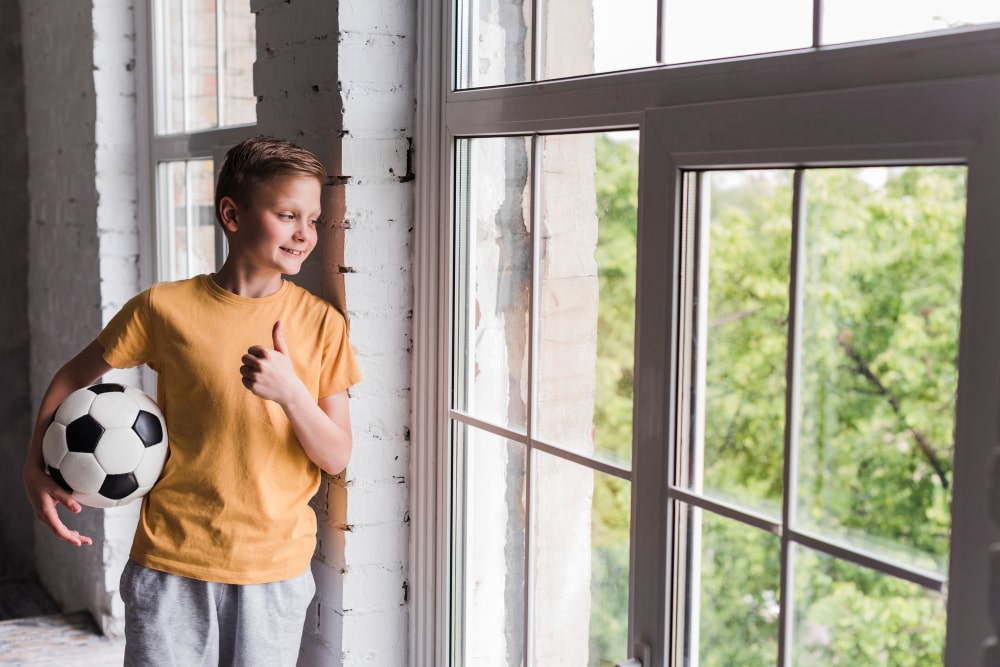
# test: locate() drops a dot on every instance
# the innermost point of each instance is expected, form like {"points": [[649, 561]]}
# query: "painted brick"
{"points": [[368, 545], [377, 502], [365, 157], [375, 58], [306, 66], [367, 583], [378, 638], [380, 17], [281, 26], [372, 108]]}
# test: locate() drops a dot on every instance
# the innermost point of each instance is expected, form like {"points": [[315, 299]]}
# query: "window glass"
{"points": [[188, 229], [850, 615], [719, 28], [589, 193], [599, 36], [849, 20], [882, 276], [204, 64], [491, 558], [733, 577], [580, 542], [494, 43], [493, 278], [742, 329], [869, 344]]}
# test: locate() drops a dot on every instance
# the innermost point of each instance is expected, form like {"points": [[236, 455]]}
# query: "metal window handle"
{"points": [[640, 652]]}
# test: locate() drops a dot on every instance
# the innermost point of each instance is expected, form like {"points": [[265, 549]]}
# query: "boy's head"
{"points": [[254, 161]]}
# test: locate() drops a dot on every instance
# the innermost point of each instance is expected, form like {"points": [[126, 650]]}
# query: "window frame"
{"points": [[610, 102], [959, 123]]}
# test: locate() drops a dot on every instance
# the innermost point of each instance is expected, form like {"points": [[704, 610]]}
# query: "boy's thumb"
{"points": [[279, 338]]}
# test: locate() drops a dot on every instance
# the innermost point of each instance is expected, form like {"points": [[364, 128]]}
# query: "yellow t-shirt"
{"points": [[232, 504]]}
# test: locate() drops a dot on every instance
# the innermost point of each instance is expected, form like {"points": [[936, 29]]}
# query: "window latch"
{"points": [[640, 657]]}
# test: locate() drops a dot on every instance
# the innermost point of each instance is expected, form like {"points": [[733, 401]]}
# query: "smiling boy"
{"points": [[252, 377]]}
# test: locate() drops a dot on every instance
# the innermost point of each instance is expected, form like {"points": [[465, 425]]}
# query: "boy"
{"points": [[252, 378]]}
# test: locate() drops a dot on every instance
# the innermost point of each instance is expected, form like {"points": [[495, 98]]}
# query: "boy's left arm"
{"points": [[323, 428]]}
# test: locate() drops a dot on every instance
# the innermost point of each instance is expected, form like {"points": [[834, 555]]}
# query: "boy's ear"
{"points": [[228, 211]]}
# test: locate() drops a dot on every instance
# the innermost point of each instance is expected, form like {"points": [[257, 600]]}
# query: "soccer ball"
{"points": [[106, 444]]}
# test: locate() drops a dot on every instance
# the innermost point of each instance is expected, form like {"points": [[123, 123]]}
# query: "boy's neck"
{"points": [[251, 284]]}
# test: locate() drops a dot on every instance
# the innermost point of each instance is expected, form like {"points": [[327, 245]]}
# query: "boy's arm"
{"points": [[323, 428], [43, 492]]}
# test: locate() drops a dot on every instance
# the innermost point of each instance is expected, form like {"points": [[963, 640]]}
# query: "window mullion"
{"points": [[220, 79], [534, 308], [817, 23], [792, 401]]}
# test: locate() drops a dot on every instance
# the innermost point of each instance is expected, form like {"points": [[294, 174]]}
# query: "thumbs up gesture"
{"points": [[267, 371]]}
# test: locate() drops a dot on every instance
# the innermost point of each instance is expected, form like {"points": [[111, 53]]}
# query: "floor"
{"points": [[33, 632], [68, 640]]}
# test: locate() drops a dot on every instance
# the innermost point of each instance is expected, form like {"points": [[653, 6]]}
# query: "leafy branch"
{"points": [[864, 369]]}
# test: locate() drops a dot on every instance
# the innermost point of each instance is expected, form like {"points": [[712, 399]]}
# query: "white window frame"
{"points": [[620, 101]]}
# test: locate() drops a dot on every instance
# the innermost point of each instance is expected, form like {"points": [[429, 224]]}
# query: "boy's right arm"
{"points": [[43, 492]]}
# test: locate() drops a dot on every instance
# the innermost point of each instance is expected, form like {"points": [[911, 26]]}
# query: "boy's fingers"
{"points": [[59, 528]]}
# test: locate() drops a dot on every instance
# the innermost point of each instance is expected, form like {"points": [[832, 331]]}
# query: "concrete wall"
{"points": [[83, 241], [16, 536]]}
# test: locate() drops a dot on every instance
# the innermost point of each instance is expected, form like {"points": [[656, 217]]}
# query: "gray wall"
{"points": [[15, 421]]}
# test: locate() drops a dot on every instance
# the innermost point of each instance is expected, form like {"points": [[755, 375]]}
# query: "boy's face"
{"points": [[276, 230]]}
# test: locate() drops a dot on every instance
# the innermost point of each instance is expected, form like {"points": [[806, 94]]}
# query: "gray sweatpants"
{"points": [[172, 620]]}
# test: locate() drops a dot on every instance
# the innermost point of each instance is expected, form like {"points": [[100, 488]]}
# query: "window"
{"points": [[201, 55], [706, 347], [503, 43]]}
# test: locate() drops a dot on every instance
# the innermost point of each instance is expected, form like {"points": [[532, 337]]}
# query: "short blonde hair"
{"points": [[257, 160]]}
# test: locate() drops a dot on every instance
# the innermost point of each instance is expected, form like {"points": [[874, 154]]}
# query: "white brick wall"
{"points": [[340, 82], [338, 79]]}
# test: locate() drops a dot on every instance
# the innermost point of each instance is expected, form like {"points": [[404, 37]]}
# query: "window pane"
{"points": [[580, 545], [200, 67], [239, 51], [731, 605], [888, 18], [848, 615], [187, 220], [493, 43], [880, 348], [740, 338], [599, 36], [192, 95], [585, 358], [491, 561], [718, 28], [492, 279]]}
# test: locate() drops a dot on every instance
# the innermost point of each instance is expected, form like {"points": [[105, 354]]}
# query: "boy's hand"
{"points": [[44, 494], [268, 373]]}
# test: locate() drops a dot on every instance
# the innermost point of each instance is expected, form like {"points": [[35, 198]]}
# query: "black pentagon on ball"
{"points": [[57, 476], [148, 428], [106, 387], [117, 487], [83, 434]]}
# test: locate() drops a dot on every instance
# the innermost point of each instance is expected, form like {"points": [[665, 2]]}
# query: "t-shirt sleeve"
{"points": [[127, 339], [340, 370]]}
